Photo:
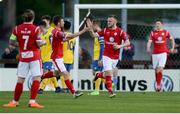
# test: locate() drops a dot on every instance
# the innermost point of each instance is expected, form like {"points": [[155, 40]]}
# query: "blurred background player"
{"points": [[48, 77], [29, 41], [68, 56], [159, 38], [113, 37], [97, 60], [57, 54]]}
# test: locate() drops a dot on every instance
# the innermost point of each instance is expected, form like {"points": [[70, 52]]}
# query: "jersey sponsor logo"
{"points": [[159, 38], [28, 54], [166, 84]]}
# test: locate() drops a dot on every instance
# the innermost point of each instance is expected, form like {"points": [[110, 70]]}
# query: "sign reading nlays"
{"points": [[127, 80]]}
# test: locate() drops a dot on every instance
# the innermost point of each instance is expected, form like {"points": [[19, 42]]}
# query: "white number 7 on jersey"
{"points": [[26, 38]]}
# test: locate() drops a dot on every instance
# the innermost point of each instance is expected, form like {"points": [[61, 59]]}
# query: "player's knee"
{"points": [[66, 75], [20, 80], [38, 78], [159, 69]]}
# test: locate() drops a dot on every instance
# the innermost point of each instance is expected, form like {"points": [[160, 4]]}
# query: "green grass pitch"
{"points": [[124, 102]]}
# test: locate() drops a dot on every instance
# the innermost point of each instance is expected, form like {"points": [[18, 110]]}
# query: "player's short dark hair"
{"points": [[42, 23], [159, 19], [113, 16], [47, 17], [67, 25], [57, 19], [28, 15]]}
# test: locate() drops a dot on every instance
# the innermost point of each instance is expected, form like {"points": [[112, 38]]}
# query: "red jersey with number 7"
{"points": [[27, 34], [111, 37], [159, 38]]}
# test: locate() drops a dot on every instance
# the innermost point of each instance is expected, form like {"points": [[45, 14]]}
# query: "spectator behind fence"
{"points": [[127, 55], [85, 59], [10, 53], [175, 56]]}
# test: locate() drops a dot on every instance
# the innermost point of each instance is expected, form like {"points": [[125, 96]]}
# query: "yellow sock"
{"points": [[54, 81], [97, 84], [63, 82], [43, 83]]}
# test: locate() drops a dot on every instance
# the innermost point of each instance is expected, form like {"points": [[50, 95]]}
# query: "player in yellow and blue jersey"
{"points": [[68, 53], [48, 77], [97, 59]]}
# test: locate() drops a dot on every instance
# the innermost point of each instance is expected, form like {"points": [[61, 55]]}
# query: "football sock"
{"points": [[44, 82], [54, 81], [97, 84], [18, 91], [109, 83], [158, 78], [34, 89], [70, 86]]}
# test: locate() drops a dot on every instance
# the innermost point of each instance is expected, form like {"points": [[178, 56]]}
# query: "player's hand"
{"points": [[89, 23], [116, 46], [100, 63]]}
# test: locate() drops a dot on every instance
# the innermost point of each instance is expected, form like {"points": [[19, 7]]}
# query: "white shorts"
{"points": [[159, 60], [59, 65], [108, 63], [35, 68]]}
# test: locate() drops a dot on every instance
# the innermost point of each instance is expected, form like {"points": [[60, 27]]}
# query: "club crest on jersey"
{"points": [[159, 38], [162, 34], [111, 39], [115, 34]]}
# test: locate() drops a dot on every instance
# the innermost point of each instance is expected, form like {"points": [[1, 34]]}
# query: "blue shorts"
{"points": [[96, 67], [47, 65], [68, 67]]}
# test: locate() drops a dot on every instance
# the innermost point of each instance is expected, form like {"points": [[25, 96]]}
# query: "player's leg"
{"points": [[61, 68], [115, 81], [22, 71], [36, 71], [108, 73], [162, 61]]}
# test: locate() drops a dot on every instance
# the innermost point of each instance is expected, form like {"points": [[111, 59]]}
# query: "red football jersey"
{"points": [[57, 43], [111, 37], [159, 38], [27, 34]]}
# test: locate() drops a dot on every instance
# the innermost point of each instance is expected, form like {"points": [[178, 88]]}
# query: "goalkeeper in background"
{"points": [[46, 50], [68, 57], [97, 59]]}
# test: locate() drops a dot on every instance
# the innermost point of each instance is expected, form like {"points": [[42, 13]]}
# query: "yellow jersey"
{"points": [[68, 51], [97, 43], [46, 50]]}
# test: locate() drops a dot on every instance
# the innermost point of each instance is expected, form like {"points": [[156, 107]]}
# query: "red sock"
{"points": [[109, 83], [18, 91], [34, 89], [70, 86], [158, 78], [100, 75], [49, 74]]}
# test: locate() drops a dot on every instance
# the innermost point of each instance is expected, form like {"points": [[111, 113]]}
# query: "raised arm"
{"points": [[71, 36]]}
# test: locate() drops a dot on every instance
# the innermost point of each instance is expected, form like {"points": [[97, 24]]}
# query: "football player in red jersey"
{"points": [[113, 37], [27, 36], [159, 38], [59, 36]]}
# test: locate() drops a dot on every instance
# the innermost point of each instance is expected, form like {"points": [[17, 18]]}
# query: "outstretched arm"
{"points": [[172, 44]]}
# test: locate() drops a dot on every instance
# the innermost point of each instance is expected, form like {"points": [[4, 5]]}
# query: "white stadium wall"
{"points": [[128, 80]]}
